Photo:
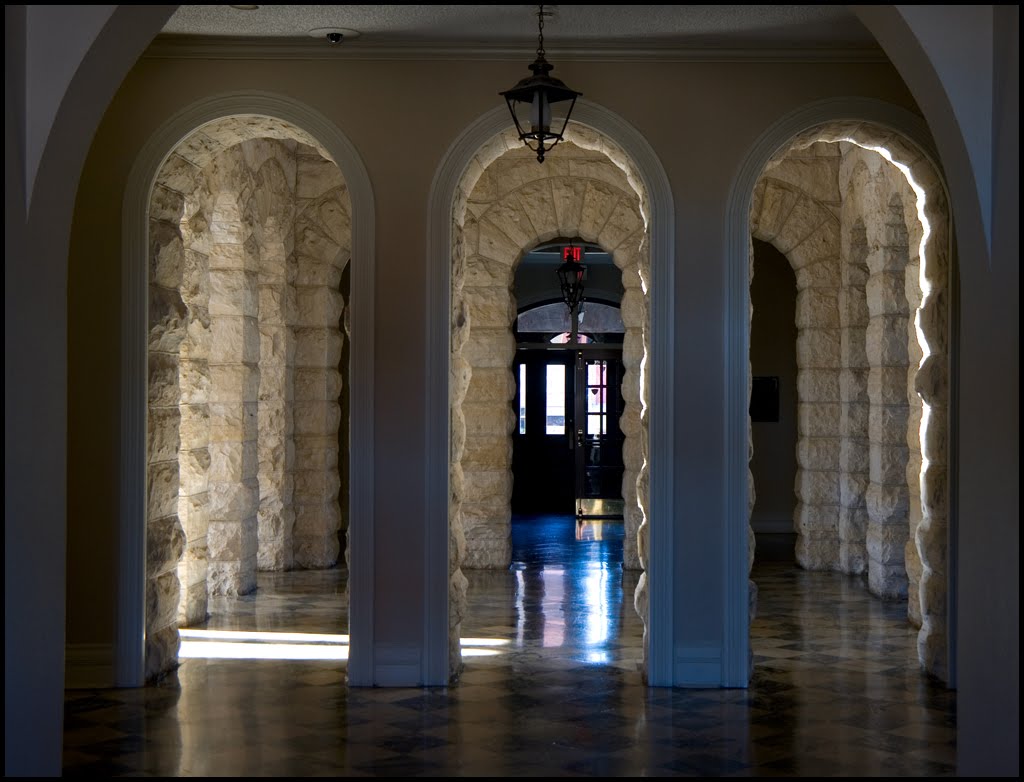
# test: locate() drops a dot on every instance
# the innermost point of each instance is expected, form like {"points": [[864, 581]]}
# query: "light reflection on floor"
{"points": [[836, 689]]}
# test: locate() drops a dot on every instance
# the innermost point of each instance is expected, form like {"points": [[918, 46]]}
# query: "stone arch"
{"points": [[268, 243], [480, 145], [884, 306], [513, 205], [268, 496]]}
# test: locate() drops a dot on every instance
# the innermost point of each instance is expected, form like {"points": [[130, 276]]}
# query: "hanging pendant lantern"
{"points": [[570, 277], [531, 99]]}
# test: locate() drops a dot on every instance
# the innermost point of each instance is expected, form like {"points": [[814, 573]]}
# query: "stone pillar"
{"points": [[164, 536], [635, 311], [854, 456], [806, 231], [915, 405], [932, 385], [276, 515], [322, 237], [887, 499], [818, 412], [234, 399], [194, 457]]}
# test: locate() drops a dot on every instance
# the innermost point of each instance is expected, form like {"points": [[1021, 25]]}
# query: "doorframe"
{"points": [[131, 589], [437, 358]]}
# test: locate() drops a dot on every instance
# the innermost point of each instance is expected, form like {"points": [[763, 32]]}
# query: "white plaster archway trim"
{"points": [[737, 337], [130, 641], [661, 232]]}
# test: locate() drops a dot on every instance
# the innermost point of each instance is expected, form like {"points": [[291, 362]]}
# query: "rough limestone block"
{"points": [[817, 487], [853, 489], [194, 516], [163, 433], [855, 455], [193, 471], [161, 652], [491, 384], [818, 419], [481, 272], [888, 386], [165, 543], [932, 381], [316, 452], [819, 273], [495, 245], [334, 213], [487, 452], [233, 384], [506, 216], [599, 201], [853, 420], [886, 294], [888, 506], [624, 227], [818, 348], [318, 347], [316, 176], [889, 465], [489, 308], [887, 424], [194, 428], [318, 307], [488, 418], [817, 308], [816, 520], [194, 381], [231, 578], [163, 489], [816, 553], [853, 307], [483, 485], [935, 490], [233, 293], [853, 387], [230, 502], [488, 546], [490, 348], [853, 557], [818, 453], [818, 385], [886, 341], [776, 204], [234, 340]]}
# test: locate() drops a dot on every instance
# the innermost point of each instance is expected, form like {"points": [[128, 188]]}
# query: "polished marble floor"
{"points": [[550, 687]]}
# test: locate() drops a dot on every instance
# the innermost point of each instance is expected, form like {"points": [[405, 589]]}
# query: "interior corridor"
{"points": [[551, 685]]}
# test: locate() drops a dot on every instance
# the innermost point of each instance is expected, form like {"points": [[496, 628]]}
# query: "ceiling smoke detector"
{"points": [[334, 34]]}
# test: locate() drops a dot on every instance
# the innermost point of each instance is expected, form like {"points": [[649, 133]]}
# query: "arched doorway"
{"points": [[870, 247], [274, 206], [461, 173]]}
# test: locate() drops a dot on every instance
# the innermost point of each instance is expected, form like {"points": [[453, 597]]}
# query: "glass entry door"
{"points": [[567, 445], [598, 439]]}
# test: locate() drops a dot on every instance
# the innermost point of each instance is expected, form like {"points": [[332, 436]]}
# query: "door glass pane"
{"points": [[522, 399], [555, 408], [597, 399]]}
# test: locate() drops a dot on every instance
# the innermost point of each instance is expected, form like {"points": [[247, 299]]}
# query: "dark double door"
{"points": [[567, 445]]}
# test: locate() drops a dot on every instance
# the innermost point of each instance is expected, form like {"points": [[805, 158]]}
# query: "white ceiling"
{"points": [[712, 26]]}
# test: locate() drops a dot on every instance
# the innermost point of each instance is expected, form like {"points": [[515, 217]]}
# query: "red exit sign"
{"points": [[572, 254]]}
